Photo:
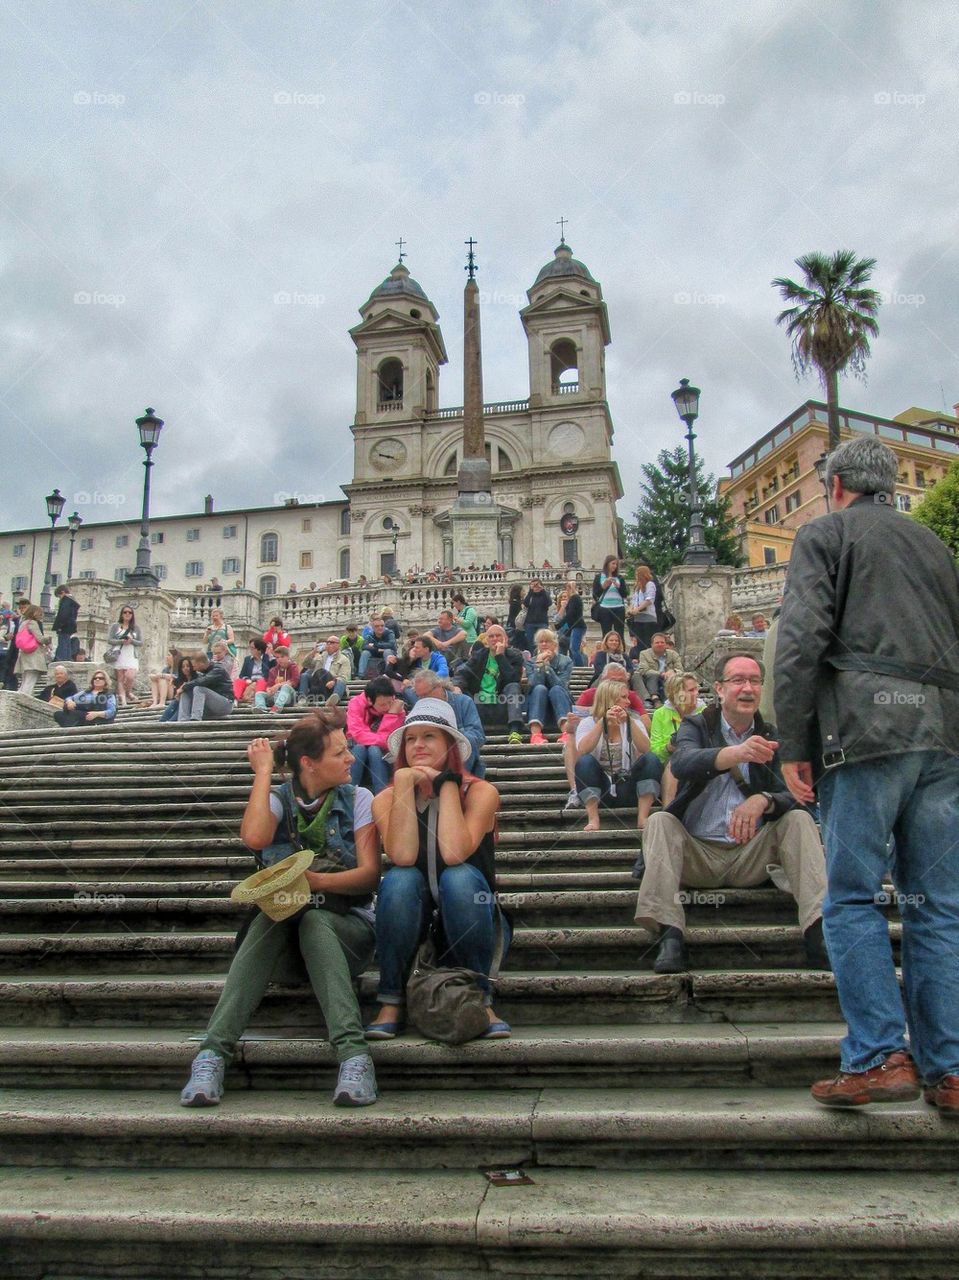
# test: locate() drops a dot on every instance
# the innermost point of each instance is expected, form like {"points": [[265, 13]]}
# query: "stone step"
{"points": [[557, 996], [624, 1129], [263, 1224], [127, 947], [594, 1057]]}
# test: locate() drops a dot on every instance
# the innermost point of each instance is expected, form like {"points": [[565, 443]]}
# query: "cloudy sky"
{"points": [[170, 168]]}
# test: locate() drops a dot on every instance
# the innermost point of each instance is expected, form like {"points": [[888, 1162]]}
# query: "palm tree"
{"points": [[832, 321]]}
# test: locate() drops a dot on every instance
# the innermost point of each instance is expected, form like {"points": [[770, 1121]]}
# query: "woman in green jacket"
{"points": [[682, 700]]}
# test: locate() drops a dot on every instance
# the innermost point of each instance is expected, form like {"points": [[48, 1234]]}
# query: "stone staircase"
{"points": [[665, 1121]]}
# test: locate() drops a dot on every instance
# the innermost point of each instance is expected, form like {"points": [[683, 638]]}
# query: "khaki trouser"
{"points": [[675, 859]]}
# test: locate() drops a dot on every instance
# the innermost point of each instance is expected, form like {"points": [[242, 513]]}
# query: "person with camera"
{"points": [[435, 809], [610, 595], [731, 821], [613, 761]]}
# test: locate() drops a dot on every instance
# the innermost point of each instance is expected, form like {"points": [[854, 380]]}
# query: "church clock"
{"points": [[388, 455]]}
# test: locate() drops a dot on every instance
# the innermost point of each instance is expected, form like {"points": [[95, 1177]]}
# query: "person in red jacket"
{"points": [[275, 635], [371, 716]]}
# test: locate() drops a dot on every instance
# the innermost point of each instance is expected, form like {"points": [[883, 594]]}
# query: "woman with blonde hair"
{"points": [[682, 700], [643, 622], [219, 629], [613, 759]]}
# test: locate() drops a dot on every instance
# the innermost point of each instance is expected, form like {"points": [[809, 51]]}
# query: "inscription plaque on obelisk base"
{"points": [[474, 517]]}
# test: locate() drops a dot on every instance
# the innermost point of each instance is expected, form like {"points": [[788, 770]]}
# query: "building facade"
{"points": [[774, 489], [554, 479]]}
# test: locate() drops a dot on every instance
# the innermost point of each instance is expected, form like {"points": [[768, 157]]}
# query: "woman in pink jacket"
{"points": [[371, 716]]}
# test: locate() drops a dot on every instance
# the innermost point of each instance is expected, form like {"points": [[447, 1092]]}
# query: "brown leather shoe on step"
{"points": [[895, 1080], [944, 1096]]}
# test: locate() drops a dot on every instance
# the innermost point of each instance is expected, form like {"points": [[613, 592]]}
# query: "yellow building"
{"points": [[773, 486]]}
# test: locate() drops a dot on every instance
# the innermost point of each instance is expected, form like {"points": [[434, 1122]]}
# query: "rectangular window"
{"points": [[769, 555], [387, 562], [794, 501], [772, 515], [122, 540], [88, 573], [120, 575], [54, 579], [570, 550], [229, 531], [86, 544], [18, 586], [306, 559], [19, 548], [306, 526], [345, 520], [194, 568], [920, 478], [160, 571], [156, 539], [193, 535], [231, 564], [903, 502]]}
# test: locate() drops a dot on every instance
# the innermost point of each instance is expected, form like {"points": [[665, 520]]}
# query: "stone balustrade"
{"points": [[759, 588]]}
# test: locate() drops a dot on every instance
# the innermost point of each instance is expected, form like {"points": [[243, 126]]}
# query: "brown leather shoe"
{"points": [[944, 1096], [895, 1080]]}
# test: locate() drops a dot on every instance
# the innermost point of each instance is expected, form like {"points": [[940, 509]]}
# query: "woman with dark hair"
{"points": [[514, 602], [161, 682], [126, 636], [435, 809], [371, 716], [95, 705], [317, 809], [643, 619], [183, 672], [610, 594]]}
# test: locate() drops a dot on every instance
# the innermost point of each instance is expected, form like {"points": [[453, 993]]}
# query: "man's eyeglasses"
{"points": [[738, 681]]}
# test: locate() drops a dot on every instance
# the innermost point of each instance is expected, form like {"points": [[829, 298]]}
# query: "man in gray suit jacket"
{"points": [[867, 701]]}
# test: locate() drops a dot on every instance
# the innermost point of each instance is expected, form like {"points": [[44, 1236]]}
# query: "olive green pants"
{"points": [[335, 949]]}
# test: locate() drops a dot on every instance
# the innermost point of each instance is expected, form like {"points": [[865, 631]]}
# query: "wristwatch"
{"points": [[770, 803], [446, 776]]}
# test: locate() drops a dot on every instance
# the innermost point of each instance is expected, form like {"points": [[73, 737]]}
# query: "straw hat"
{"points": [[281, 890], [432, 711]]}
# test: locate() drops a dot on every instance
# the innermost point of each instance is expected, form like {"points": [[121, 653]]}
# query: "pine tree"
{"points": [[660, 533], [939, 509]]}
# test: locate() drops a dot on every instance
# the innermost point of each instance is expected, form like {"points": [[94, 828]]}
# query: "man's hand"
{"points": [[798, 778], [744, 820], [756, 750]]}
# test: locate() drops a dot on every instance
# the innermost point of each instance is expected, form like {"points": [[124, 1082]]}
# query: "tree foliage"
{"points": [[660, 532], [939, 509], [831, 321]]}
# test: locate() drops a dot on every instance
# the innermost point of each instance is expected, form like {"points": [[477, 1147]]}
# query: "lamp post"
{"points": [[149, 427], [73, 523], [55, 503], [820, 465], [686, 400], [395, 531]]}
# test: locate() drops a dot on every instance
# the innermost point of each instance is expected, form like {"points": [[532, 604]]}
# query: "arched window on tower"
{"points": [[430, 392], [564, 367], [390, 383], [504, 461]]}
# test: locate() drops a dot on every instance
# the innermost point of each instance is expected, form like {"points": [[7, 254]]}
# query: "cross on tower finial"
{"points": [[400, 243], [471, 266], [561, 223]]}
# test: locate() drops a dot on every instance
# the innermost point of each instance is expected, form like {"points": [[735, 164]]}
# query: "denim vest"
{"points": [[339, 827]]}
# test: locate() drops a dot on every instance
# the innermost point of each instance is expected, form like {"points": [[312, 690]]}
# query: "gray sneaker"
{"points": [[356, 1086], [573, 801], [205, 1085]]}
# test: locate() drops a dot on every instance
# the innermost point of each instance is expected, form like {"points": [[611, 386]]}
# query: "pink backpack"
{"points": [[26, 641]]}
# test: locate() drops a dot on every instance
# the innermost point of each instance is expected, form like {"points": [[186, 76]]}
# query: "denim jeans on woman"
{"points": [[403, 910], [541, 699], [593, 783], [914, 797], [373, 759]]}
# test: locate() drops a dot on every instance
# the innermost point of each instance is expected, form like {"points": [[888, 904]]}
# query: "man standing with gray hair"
{"points": [[867, 701]]}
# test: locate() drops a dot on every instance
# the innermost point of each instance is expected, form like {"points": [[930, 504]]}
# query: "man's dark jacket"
{"points": [[246, 670], [509, 662], [66, 619], [699, 739], [215, 678], [867, 588]]}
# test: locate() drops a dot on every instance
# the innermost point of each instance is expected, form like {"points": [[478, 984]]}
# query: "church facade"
{"points": [[554, 482]]}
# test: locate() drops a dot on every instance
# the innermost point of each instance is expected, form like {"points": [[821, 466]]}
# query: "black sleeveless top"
{"points": [[482, 858]]}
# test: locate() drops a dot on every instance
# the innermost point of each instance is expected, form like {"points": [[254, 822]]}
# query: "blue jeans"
{"points": [[539, 700], [276, 697], [64, 651], [576, 646], [403, 910], [914, 797], [339, 686], [169, 712], [372, 758], [593, 783]]}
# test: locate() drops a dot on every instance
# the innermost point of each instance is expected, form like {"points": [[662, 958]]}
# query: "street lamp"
{"points": [[820, 465], [73, 523], [149, 427], [55, 503], [686, 400], [395, 531]]}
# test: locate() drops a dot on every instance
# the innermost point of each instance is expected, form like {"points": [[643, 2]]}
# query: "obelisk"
{"points": [[474, 518]]}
